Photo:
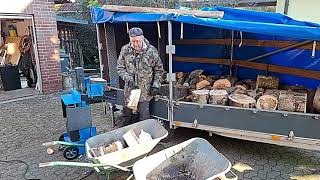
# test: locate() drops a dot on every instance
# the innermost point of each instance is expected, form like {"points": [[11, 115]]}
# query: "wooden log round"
{"points": [[267, 82], [221, 84], [218, 97], [267, 102], [316, 101], [241, 100], [292, 101], [200, 96]]}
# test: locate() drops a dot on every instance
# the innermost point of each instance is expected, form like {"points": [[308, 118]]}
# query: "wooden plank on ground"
{"points": [[135, 9]]}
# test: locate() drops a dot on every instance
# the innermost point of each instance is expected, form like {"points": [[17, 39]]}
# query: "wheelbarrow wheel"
{"points": [[61, 137], [61, 147], [70, 152]]}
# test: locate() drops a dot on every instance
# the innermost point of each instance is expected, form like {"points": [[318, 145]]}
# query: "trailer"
{"points": [[224, 41]]}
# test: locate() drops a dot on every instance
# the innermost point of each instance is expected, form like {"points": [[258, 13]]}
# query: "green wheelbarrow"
{"points": [[121, 159]]}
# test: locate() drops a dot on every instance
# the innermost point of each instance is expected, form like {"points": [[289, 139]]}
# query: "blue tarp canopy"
{"points": [[234, 19], [268, 30]]}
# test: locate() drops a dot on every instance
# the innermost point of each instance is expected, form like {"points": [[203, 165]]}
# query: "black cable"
{"points": [[89, 174], [18, 161]]}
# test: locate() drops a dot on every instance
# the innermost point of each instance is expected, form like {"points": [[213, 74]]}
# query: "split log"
{"points": [[310, 98], [232, 79], [243, 85], [222, 84], [193, 77], [208, 87], [268, 102], [241, 100], [273, 92], [189, 98], [193, 83], [292, 101], [252, 83], [236, 89], [180, 75], [200, 96], [256, 93], [134, 99], [181, 81], [202, 77], [202, 84], [178, 91], [212, 78], [316, 101], [218, 97], [267, 82], [195, 73]]}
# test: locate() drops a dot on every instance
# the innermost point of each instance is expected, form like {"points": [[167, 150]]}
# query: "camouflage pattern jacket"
{"points": [[144, 68]]}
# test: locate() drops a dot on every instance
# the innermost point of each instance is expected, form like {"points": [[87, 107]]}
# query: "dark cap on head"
{"points": [[135, 31]]}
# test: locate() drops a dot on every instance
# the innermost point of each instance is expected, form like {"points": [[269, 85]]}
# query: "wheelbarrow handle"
{"points": [[52, 143], [81, 164]]}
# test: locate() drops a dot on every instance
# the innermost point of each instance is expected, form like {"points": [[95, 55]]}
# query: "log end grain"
{"points": [[241, 100], [267, 102]]}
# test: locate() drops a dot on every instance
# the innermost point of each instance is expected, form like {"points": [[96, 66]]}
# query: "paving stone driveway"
{"points": [[26, 124]]}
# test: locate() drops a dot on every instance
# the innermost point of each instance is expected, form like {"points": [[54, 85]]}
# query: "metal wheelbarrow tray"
{"points": [[194, 159], [127, 156], [122, 159]]}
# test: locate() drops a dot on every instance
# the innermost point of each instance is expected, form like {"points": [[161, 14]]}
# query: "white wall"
{"points": [[304, 10], [14, 6]]}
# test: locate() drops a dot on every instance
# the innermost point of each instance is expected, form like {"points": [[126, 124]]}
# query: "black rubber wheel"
{"points": [[70, 152], [61, 138]]}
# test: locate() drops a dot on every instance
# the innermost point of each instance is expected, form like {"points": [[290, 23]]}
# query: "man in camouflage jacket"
{"points": [[140, 66]]}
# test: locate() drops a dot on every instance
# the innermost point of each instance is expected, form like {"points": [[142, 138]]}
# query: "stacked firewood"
{"points": [[263, 93]]}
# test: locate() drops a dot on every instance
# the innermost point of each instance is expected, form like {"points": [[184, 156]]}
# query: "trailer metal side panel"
{"points": [[159, 108], [272, 122]]}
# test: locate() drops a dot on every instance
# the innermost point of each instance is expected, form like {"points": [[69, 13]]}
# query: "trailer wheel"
{"points": [[70, 152]]}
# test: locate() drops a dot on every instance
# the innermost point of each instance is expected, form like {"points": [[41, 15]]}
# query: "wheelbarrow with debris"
{"points": [[193, 159], [121, 158]]}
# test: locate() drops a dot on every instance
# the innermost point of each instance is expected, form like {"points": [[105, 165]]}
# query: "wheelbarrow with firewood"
{"points": [[118, 158]]}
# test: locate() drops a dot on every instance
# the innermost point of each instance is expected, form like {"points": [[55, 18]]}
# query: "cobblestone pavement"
{"points": [[26, 124]]}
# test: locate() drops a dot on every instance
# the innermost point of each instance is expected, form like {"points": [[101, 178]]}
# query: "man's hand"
{"points": [[130, 84], [154, 91]]}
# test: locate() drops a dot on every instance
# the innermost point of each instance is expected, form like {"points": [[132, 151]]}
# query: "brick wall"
{"points": [[48, 45], [47, 38]]}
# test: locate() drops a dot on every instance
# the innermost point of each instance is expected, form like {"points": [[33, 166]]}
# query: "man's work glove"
{"points": [[154, 91]]}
